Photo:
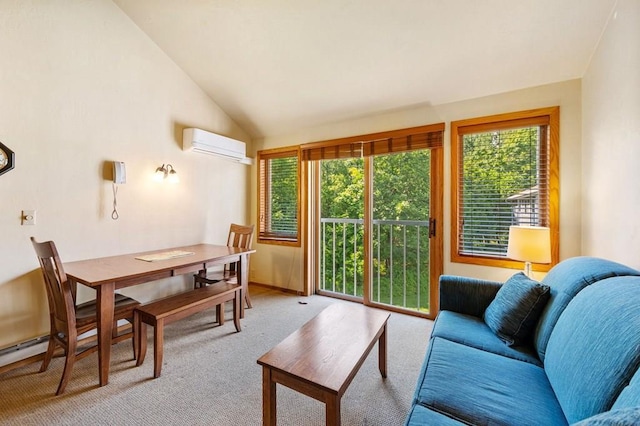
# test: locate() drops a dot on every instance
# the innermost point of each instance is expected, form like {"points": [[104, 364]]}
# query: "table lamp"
{"points": [[531, 244]]}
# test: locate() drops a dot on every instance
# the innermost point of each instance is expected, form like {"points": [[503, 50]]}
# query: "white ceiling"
{"points": [[276, 66]]}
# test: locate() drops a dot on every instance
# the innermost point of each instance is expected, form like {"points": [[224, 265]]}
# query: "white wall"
{"points": [[80, 86], [611, 145], [283, 266]]}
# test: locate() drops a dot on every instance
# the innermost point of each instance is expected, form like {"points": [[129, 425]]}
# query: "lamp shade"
{"points": [[529, 244]]}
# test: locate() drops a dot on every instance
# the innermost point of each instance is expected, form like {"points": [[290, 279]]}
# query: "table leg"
{"points": [[382, 351], [333, 411], [243, 279], [268, 397], [245, 271], [105, 308]]}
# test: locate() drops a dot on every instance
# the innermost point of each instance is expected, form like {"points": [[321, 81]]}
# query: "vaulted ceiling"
{"points": [[277, 66]]}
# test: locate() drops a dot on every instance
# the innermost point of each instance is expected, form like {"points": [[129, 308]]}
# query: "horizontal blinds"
{"points": [[347, 150], [504, 181], [278, 180], [376, 144], [403, 144]]}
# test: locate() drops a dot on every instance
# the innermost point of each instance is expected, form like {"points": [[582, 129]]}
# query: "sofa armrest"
{"points": [[464, 295]]}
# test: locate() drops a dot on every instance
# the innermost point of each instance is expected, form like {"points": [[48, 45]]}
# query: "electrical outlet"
{"points": [[28, 217]]}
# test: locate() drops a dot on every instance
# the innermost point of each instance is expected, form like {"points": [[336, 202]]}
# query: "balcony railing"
{"points": [[400, 260]]}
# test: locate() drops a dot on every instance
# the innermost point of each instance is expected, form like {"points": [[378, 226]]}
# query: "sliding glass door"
{"points": [[377, 230], [341, 233], [400, 261]]}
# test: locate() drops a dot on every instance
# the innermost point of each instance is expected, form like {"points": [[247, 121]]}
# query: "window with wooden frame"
{"points": [[504, 172], [279, 196]]}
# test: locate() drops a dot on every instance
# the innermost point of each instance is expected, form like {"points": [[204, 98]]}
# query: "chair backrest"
{"points": [[59, 293], [239, 236]]}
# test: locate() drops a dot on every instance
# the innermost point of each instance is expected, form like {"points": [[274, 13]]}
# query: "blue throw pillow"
{"points": [[514, 312]]}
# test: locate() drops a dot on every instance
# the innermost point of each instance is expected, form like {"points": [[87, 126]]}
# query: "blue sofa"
{"points": [[579, 365]]}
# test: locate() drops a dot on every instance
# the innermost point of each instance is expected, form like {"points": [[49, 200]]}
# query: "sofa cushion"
{"points": [[622, 417], [630, 396], [466, 295], [567, 279], [479, 387], [473, 331], [593, 351], [420, 416], [516, 308]]}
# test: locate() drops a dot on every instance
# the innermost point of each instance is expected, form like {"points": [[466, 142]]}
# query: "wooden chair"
{"points": [[239, 236], [68, 321]]}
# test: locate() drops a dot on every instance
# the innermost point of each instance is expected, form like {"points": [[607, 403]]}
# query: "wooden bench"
{"points": [[179, 306]]}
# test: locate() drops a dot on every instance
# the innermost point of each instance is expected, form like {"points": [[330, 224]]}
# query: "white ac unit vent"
{"points": [[198, 140]]}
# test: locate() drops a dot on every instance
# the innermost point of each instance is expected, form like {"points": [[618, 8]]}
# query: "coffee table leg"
{"points": [[382, 352], [333, 411], [268, 397]]}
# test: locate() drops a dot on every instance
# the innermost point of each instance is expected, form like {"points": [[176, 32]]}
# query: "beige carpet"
{"points": [[210, 376]]}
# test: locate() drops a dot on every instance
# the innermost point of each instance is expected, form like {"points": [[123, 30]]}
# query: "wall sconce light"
{"points": [[166, 172]]}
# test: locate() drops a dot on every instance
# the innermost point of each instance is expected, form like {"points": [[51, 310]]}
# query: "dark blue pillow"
{"points": [[514, 312]]}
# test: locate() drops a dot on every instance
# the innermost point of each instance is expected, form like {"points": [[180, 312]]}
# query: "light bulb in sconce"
{"points": [[166, 172], [173, 175], [160, 173]]}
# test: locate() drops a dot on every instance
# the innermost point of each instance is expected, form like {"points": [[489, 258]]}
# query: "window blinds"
{"points": [[503, 181], [404, 140], [278, 181]]}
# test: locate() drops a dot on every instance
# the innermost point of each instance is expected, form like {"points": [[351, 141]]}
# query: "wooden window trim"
{"points": [[540, 116]]}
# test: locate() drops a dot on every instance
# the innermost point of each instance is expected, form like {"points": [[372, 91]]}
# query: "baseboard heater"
{"points": [[36, 346], [23, 350]]}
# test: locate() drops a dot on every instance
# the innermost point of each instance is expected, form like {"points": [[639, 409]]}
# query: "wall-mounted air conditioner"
{"points": [[198, 140]]}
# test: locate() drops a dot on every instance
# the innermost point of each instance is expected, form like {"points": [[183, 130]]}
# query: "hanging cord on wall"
{"points": [[114, 213]]}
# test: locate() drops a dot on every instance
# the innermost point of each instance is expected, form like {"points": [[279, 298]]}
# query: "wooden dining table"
{"points": [[107, 274]]}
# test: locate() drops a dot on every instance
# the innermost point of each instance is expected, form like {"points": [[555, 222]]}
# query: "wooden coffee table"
{"points": [[322, 357]]}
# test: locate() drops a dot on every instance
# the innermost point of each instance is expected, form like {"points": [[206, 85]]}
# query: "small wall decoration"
{"points": [[7, 159]]}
